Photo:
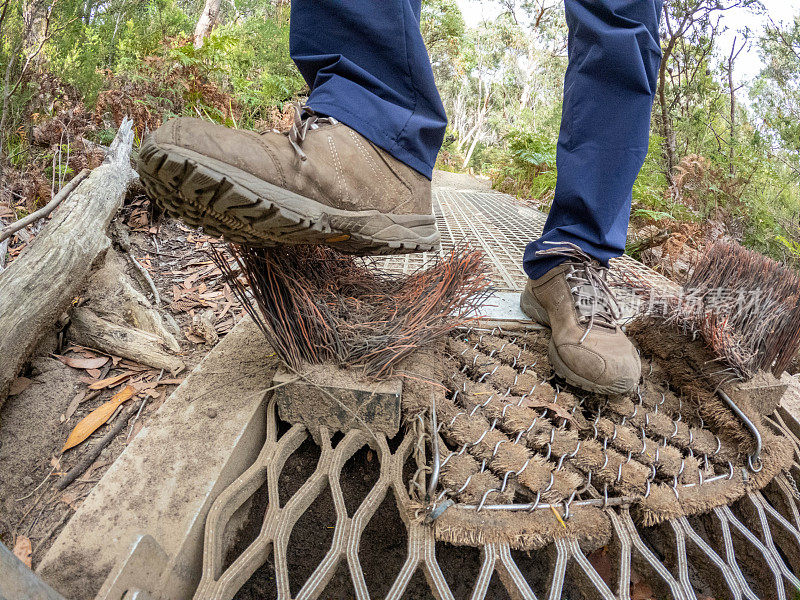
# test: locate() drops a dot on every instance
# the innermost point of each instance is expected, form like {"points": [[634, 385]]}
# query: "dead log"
{"points": [[87, 329], [39, 286]]}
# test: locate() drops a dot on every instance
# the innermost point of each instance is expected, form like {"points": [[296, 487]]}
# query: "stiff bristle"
{"points": [[745, 306], [752, 305], [315, 304]]}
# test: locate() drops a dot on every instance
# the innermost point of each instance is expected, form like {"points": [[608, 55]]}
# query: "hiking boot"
{"points": [[587, 346], [321, 183]]}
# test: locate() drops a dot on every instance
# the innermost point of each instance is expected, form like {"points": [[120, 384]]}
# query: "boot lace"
{"points": [[304, 119], [594, 301]]}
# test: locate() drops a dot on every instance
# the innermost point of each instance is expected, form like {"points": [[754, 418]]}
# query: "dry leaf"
{"points": [[142, 386], [23, 550], [70, 497], [137, 427], [83, 363], [601, 561], [79, 399], [188, 283], [94, 373], [89, 424], [111, 381], [73, 405], [19, 385], [641, 591], [549, 405]]}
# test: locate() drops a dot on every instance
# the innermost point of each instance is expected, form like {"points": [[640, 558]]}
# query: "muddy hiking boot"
{"points": [[321, 183], [587, 346]]}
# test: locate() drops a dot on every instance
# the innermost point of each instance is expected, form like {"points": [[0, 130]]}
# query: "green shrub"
{"points": [[529, 166]]}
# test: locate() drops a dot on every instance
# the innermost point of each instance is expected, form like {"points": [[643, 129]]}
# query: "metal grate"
{"points": [[538, 477], [749, 549], [501, 226]]}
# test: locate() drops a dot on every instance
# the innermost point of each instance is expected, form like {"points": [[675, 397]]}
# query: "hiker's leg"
{"points": [[614, 55], [367, 66], [353, 171]]}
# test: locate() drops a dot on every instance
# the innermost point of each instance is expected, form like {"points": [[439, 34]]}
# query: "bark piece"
{"points": [[40, 284], [111, 295]]}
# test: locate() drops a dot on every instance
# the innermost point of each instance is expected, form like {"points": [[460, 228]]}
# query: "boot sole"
{"points": [[537, 313], [240, 207]]}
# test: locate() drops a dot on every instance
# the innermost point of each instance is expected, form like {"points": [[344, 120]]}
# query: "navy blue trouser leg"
{"points": [[614, 55], [367, 66]]}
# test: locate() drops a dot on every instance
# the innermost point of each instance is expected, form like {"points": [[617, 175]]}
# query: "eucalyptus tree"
{"points": [[690, 28]]}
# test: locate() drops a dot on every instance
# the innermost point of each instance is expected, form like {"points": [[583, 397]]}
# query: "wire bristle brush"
{"points": [[745, 305], [315, 304]]}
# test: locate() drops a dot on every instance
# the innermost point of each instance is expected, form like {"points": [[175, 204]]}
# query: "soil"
{"points": [[34, 423], [383, 546]]}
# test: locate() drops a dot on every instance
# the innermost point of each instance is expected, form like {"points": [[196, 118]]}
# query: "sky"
{"points": [[748, 64]]}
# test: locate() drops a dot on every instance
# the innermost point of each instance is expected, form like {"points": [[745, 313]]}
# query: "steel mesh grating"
{"points": [[501, 226], [750, 548]]}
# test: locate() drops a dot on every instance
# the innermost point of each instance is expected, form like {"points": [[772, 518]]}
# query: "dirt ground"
{"points": [[383, 547], [52, 397]]}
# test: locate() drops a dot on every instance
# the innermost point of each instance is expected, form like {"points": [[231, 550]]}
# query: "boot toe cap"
{"points": [[608, 368]]}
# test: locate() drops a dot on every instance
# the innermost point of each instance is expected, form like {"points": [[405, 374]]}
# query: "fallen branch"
{"points": [[91, 456], [3, 248], [39, 286], [88, 329], [146, 276], [65, 191]]}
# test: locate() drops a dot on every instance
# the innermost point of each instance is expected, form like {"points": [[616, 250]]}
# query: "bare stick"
{"points": [[86, 462], [147, 278], [64, 518], [3, 247], [141, 406], [10, 230]]}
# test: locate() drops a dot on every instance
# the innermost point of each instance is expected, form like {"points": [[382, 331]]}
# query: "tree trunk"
{"points": [[39, 286], [666, 124], [470, 151], [732, 142], [206, 22]]}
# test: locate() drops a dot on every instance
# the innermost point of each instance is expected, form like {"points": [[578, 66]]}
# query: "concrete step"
{"points": [[201, 439]]}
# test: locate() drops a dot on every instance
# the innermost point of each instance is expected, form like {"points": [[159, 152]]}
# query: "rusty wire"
{"points": [[315, 304]]}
